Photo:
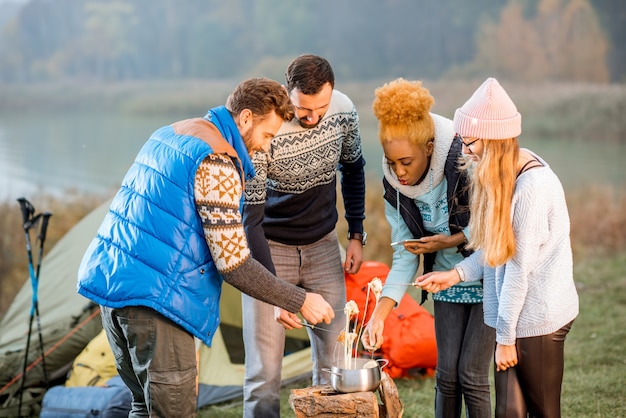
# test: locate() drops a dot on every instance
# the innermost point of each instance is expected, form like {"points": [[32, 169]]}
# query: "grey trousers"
{"points": [[317, 268], [155, 358]]}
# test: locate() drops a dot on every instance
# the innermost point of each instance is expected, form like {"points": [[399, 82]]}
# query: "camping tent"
{"points": [[69, 322]]}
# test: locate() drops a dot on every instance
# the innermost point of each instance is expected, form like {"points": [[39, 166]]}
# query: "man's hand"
{"points": [[354, 256], [287, 319], [315, 309], [437, 281], [506, 357]]}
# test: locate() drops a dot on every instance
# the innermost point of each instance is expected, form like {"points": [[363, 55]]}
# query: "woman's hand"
{"points": [[437, 281], [506, 357], [372, 337], [434, 243]]}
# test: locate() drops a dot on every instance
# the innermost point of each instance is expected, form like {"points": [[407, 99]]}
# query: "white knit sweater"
{"points": [[534, 293]]}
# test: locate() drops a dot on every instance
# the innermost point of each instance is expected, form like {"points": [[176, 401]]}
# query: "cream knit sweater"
{"points": [[534, 293]]}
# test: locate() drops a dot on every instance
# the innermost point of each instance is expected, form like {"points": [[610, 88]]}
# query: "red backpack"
{"points": [[409, 329]]}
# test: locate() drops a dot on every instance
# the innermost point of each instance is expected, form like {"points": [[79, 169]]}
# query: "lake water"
{"points": [[53, 154], [90, 152]]}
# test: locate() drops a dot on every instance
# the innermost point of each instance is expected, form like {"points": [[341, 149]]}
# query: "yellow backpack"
{"points": [[94, 366]]}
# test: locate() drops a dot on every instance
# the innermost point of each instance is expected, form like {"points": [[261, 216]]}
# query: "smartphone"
{"points": [[406, 241]]}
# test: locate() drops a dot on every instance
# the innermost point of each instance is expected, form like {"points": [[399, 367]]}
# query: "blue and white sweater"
{"points": [[293, 197]]}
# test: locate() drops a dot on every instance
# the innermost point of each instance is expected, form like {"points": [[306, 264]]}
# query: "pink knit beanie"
{"points": [[488, 114]]}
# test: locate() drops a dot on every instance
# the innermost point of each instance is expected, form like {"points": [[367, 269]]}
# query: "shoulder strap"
{"points": [[532, 163]]}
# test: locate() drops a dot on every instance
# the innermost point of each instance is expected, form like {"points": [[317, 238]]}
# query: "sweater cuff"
{"points": [[355, 225]]}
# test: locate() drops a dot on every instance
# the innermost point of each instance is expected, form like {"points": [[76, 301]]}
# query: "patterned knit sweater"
{"points": [[293, 197], [217, 192], [534, 293]]}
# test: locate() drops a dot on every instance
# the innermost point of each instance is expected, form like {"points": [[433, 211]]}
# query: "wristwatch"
{"points": [[360, 236]]}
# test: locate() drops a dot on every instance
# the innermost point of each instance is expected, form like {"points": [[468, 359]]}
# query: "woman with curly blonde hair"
{"points": [[426, 200], [521, 234]]}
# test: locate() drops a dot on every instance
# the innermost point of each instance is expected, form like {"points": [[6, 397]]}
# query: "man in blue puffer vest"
{"points": [[172, 234]]}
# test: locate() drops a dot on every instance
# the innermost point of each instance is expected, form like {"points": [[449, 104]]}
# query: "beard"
{"points": [[303, 123], [247, 140]]}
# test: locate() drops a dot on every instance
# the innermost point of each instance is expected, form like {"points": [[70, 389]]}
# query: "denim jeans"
{"points": [[156, 359], [465, 347], [533, 387], [317, 268]]}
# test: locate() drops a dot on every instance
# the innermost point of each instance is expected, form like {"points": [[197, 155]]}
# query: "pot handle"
{"points": [[383, 360], [335, 373]]}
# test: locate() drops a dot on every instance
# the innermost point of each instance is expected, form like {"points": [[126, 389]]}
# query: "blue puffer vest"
{"points": [[150, 249]]}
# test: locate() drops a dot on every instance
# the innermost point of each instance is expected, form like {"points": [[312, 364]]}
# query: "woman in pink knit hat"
{"points": [[520, 232]]}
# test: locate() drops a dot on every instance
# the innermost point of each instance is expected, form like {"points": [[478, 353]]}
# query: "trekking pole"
{"points": [[31, 220], [41, 237]]}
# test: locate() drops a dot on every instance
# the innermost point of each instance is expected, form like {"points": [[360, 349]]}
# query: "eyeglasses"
{"points": [[306, 109], [467, 145]]}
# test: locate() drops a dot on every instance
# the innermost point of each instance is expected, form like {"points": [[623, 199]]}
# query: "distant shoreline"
{"points": [[562, 110]]}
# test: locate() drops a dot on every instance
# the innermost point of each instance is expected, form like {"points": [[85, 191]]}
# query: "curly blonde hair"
{"points": [[402, 108]]}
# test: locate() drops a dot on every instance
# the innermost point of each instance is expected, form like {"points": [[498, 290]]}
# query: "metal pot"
{"points": [[359, 379]]}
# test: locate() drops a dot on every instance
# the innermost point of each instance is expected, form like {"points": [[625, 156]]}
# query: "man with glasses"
{"points": [[290, 217]]}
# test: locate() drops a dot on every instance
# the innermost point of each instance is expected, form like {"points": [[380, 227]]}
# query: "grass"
{"points": [[596, 360]]}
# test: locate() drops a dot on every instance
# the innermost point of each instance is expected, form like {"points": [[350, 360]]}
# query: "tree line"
{"points": [[113, 40]]}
